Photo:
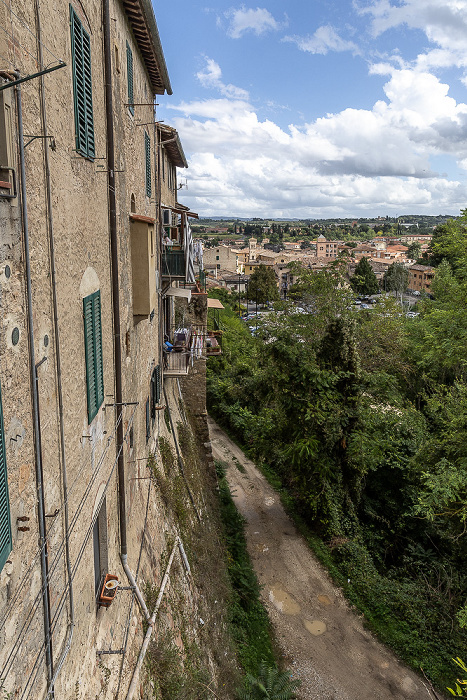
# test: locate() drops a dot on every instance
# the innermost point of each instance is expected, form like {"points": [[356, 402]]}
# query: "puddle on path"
{"points": [[324, 600], [283, 601], [315, 627]]}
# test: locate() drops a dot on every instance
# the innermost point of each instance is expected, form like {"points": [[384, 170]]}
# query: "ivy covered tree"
{"points": [[364, 280]]}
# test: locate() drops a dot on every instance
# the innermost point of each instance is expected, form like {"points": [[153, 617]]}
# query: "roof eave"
{"points": [[143, 22]]}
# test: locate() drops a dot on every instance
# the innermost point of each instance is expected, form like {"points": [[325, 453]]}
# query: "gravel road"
{"points": [[323, 641]]}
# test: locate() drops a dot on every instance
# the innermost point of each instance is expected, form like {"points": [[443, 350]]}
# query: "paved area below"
{"points": [[322, 639]]}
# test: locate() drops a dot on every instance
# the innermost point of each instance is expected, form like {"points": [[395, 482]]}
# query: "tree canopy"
{"points": [[364, 280], [262, 285]]}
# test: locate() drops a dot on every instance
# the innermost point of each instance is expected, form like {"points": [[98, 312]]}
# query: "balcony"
{"points": [[176, 364], [214, 343], [173, 264]]}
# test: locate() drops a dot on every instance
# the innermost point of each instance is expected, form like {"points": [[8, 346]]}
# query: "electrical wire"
{"points": [[62, 599], [28, 621], [127, 628], [23, 24], [27, 575]]}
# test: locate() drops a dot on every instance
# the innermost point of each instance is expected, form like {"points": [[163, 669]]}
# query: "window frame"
{"points": [[82, 87], [93, 353]]}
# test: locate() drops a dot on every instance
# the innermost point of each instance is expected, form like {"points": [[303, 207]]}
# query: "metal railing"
{"points": [[173, 263]]}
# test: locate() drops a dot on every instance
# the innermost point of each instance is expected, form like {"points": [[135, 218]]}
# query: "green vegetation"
{"points": [[364, 279], [262, 285], [270, 684], [362, 419], [248, 619]]}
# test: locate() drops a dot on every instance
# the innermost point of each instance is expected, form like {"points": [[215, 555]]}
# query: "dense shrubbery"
{"points": [[363, 418]]}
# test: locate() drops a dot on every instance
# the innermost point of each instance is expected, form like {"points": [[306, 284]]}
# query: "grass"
{"points": [[407, 615], [248, 619]]}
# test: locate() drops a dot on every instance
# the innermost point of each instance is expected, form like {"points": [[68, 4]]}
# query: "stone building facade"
{"points": [[81, 364]]}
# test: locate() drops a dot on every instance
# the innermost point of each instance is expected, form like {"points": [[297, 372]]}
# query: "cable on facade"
{"points": [[77, 480], [61, 601]]}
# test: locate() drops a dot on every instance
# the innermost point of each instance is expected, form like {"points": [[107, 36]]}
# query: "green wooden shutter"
{"points": [[5, 524], [93, 352], [82, 87], [147, 149], [129, 70], [148, 421], [157, 372], [155, 390]]}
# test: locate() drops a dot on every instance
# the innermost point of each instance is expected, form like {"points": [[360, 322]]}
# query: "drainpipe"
{"points": [[35, 400], [58, 367], [116, 301], [114, 275]]}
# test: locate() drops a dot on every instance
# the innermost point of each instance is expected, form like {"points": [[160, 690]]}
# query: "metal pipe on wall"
{"points": [[58, 366], [35, 398], [114, 271]]}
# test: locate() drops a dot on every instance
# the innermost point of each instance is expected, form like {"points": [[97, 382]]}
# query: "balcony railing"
{"points": [[173, 263], [176, 364]]}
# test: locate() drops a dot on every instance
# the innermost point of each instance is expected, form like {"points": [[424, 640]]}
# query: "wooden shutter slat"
{"points": [[147, 150], [129, 67], [93, 353], [82, 87], [5, 523]]}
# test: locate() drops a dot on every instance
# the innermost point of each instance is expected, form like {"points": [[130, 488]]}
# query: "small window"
{"points": [[5, 523], [129, 71], [147, 151], [93, 351], [82, 87], [117, 58], [133, 204]]}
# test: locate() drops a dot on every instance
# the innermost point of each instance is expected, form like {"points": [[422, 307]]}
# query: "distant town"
{"points": [[234, 248]]}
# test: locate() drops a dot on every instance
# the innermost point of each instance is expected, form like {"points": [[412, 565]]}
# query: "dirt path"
{"points": [[324, 642]]}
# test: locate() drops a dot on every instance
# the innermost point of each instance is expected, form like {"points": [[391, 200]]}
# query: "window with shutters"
{"points": [[155, 391], [82, 87], [147, 150], [93, 351], [5, 524], [129, 70]]}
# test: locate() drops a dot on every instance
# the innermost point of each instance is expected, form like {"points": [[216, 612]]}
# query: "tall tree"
{"points": [[414, 250], [262, 285], [364, 279], [396, 278]]}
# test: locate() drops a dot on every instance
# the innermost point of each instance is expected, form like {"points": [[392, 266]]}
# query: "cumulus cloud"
{"points": [[324, 39], [242, 20], [353, 162], [211, 76], [444, 23]]}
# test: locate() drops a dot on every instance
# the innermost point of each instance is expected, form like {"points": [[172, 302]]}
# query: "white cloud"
{"points": [[355, 162], [243, 19], [444, 23], [323, 40], [211, 76]]}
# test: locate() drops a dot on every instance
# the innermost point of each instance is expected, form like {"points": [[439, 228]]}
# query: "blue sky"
{"points": [[319, 108]]}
